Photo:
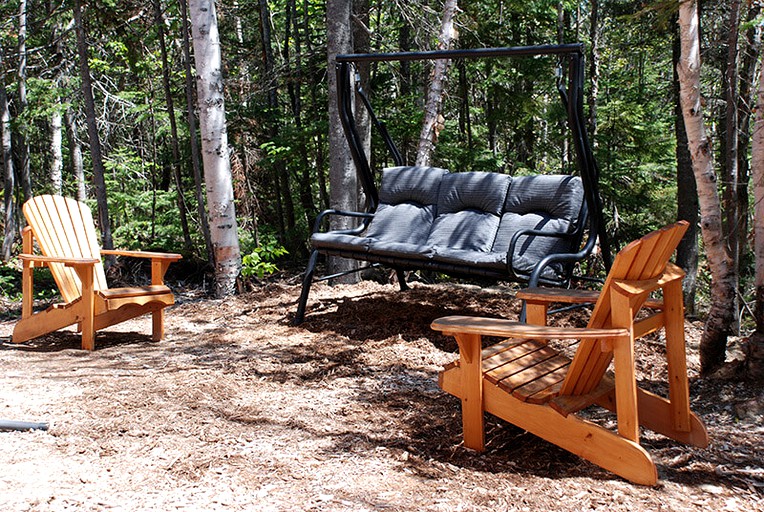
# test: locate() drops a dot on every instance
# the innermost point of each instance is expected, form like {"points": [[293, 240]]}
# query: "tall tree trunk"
{"points": [[432, 123], [281, 177], [180, 200], [57, 157], [343, 182], [714, 341], [193, 141], [75, 154], [215, 151], [745, 101], [730, 208], [23, 146], [95, 141], [9, 181], [754, 348], [686, 192], [295, 95], [362, 44], [594, 67]]}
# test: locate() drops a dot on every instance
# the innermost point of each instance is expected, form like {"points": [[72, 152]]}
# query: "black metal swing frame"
{"points": [[572, 98]]}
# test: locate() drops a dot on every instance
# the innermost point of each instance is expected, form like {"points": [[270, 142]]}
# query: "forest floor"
{"points": [[239, 410]]}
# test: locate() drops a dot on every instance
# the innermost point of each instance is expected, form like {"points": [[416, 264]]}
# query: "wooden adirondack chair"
{"points": [[64, 231], [525, 382]]}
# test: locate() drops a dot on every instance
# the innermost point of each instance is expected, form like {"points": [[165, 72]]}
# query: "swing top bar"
{"points": [[477, 53]]}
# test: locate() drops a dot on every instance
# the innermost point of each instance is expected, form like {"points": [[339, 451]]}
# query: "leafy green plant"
{"points": [[261, 261], [10, 280]]}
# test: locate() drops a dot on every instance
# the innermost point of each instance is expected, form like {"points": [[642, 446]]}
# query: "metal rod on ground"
{"points": [[22, 425]]}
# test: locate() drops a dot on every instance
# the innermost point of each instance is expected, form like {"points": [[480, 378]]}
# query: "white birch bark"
{"points": [[215, 151], [75, 154], [9, 182], [433, 123], [713, 342], [57, 157]]}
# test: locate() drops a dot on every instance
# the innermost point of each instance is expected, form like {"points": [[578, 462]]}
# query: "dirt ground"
{"points": [[239, 410]]}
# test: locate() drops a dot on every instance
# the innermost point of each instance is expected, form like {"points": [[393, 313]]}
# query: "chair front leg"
{"points": [[471, 362], [86, 313]]}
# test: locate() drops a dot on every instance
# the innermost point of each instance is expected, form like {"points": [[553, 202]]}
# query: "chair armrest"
{"points": [[501, 327], [69, 262], [143, 254], [549, 295], [559, 295]]}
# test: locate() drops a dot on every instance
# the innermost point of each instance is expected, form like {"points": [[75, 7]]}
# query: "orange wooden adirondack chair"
{"points": [[64, 231], [525, 382]]}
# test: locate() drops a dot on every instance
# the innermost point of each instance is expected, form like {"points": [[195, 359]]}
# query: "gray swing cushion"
{"points": [[408, 199], [464, 222], [469, 210], [548, 203]]}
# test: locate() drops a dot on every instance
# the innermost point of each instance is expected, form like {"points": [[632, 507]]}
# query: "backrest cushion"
{"points": [[469, 207], [408, 199], [549, 203]]}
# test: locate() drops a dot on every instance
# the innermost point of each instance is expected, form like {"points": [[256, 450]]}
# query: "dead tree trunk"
{"points": [[432, 123], [95, 141], [159, 22], [754, 348]]}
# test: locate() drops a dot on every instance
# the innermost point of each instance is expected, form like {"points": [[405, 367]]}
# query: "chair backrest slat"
{"points": [[642, 259], [64, 228]]}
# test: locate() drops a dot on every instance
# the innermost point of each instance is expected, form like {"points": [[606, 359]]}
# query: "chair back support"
{"points": [[643, 259], [64, 228]]}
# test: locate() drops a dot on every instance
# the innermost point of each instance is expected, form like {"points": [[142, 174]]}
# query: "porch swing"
{"points": [[526, 229]]}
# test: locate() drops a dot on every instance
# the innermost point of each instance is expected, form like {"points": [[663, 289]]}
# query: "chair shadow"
{"points": [[69, 340]]}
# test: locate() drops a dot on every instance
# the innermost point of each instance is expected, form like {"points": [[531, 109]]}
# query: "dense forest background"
{"points": [[501, 116]]}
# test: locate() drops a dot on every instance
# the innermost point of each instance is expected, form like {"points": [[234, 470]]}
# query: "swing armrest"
{"points": [[366, 216]]}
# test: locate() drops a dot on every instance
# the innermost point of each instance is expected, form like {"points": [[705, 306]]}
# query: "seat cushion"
{"points": [[493, 260], [408, 200], [400, 250], [549, 203], [468, 211], [339, 241]]}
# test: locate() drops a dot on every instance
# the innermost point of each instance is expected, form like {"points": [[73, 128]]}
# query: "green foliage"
{"points": [[261, 262], [10, 282]]}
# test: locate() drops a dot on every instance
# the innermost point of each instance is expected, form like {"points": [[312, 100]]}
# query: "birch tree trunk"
{"points": [[686, 191], [215, 151], [714, 340], [9, 182], [754, 348], [432, 124], [57, 156], [196, 165], [75, 154]]}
